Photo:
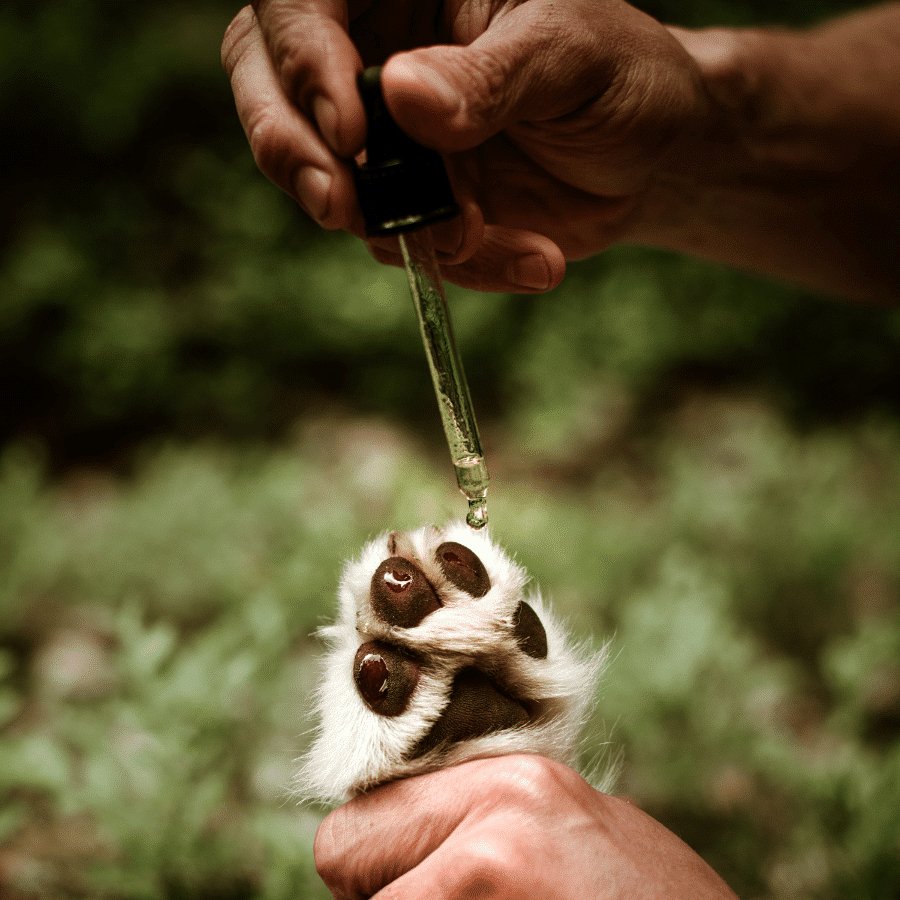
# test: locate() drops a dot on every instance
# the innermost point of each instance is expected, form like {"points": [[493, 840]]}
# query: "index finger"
{"points": [[317, 65], [351, 843], [378, 837]]}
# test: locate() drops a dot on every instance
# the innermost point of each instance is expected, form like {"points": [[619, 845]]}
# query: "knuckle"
{"points": [[236, 38], [270, 144], [529, 779], [487, 867], [493, 77], [297, 68]]}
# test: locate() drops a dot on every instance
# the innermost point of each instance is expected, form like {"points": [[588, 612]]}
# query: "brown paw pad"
{"points": [[476, 708], [463, 568], [529, 632], [384, 677], [401, 594]]}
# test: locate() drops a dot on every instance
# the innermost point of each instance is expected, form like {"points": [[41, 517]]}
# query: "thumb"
{"points": [[527, 65]]}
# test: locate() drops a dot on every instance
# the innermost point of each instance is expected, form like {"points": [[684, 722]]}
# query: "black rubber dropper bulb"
{"points": [[402, 185]]}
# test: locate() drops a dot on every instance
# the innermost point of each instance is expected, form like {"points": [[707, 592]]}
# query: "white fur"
{"points": [[355, 749]]}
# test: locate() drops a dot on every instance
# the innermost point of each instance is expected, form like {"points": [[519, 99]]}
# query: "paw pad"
{"points": [[384, 677], [529, 631], [401, 594], [437, 657], [463, 568], [476, 709]]}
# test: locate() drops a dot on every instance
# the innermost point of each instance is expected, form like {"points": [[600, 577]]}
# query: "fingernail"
{"points": [[530, 271], [326, 116], [447, 96], [313, 188]]}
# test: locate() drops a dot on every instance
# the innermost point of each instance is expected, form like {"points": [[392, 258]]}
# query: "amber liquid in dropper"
{"points": [[447, 373]]}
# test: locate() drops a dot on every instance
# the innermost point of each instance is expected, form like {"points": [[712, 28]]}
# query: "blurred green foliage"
{"points": [[211, 404], [158, 653]]}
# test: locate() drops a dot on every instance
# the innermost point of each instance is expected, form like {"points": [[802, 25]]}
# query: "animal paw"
{"points": [[438, 656]]}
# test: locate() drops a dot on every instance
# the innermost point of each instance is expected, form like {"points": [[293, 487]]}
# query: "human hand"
{"points": [[560, 123], [506, 827]]}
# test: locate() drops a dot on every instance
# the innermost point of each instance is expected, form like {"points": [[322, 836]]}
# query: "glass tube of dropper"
{"points": [[447, 374]]}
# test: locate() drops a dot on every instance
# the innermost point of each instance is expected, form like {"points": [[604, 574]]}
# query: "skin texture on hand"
{"points": [[506, 827], [796, 174], [554, 118]]}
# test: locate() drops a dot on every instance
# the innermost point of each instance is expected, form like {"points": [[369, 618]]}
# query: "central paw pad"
{"points": [[438, 657]]}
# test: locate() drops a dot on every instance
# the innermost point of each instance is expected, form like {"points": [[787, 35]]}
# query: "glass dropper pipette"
{"points": [[447, 374], [402, 189]]}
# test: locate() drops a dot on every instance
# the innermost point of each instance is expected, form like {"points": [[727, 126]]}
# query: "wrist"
{"points": [[713, 156], [790, 169]]}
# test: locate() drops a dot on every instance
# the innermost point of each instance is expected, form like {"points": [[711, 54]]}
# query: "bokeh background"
{"points": [[208, 404]]}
